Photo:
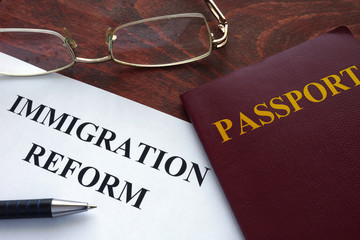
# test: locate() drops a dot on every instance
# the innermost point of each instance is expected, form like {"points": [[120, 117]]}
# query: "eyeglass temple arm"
{"points": [[223, 25]]}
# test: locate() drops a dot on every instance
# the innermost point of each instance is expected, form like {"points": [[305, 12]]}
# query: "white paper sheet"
{"points": [[172, 207]]}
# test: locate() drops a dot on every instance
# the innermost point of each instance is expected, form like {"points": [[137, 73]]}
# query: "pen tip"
{"points": [[91, 206]]}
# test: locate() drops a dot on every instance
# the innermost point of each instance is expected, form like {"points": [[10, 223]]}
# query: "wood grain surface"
{"points": [[257, 29]]}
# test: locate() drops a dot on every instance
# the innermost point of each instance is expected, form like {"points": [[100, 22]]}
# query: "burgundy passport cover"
{"points": [[283, 138]]}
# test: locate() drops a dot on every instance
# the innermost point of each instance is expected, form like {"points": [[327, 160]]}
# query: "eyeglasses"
{"points": [[155, 42]]}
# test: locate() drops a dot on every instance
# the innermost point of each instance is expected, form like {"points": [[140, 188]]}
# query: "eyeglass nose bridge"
{"points": [[72, 43], [109, 35], [69, 39]]}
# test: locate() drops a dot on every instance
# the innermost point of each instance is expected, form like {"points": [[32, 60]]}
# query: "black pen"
{"points": [[40, 208]]}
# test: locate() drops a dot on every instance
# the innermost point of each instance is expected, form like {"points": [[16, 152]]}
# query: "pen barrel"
{"points": [[33, 208]]}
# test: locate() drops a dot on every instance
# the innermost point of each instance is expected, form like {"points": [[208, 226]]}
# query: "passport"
{"points": [[283, 137]]}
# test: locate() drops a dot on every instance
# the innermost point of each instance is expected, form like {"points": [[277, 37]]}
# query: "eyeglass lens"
{"points": [[43, 52], [165, 40]]}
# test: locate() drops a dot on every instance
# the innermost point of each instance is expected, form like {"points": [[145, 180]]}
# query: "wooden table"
{"points": [[257, 29]]}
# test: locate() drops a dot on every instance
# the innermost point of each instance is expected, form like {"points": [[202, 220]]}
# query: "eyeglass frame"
{"points": [[71, 44]]}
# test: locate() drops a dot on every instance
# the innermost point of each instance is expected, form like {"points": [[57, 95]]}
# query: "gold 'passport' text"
{"points": [[283, 105]]}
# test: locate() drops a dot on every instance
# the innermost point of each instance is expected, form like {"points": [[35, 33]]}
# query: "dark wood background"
{"points": [[257, 29]]}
